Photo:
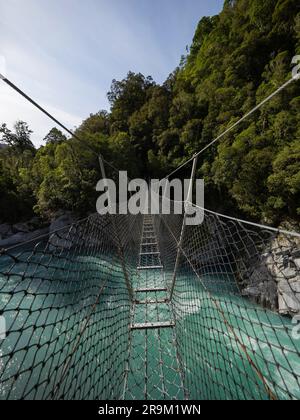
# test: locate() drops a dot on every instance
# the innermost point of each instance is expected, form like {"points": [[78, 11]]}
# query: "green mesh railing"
{"points": [[70, 303]]}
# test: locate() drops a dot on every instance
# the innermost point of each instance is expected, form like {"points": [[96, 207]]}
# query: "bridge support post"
{"points": [[162, 203], [188, 199], [118, 240]]}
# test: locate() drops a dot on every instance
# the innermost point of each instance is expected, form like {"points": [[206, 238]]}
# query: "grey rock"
{"points": [[21, 227], [274, 281], [21, 237], [35, 223], [62, 233], [289, 297], [251, 291], [5, 230], [62, 221], [264, 293], [297, 263]]}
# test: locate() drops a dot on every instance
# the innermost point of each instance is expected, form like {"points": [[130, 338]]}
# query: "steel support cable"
{"points": [[67, 362], [234, 219], [56, 388], [231, 127], [230, 328], [241, 221], [290, 287], [117, 236], [13, 86], [22, 93], [44, 111], [43, 236]]}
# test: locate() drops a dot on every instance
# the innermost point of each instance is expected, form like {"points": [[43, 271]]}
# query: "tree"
{"points": [[261, 13], [15, 162], [95, 123], [126, 97], [284, 183], [19, 140], [55, 136], [235, 61]]}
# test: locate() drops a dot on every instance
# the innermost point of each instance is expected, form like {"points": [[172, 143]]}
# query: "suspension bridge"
{"points": [[145, 307]]}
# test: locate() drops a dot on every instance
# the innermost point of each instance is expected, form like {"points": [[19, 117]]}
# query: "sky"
{"points": [[65, 53]]}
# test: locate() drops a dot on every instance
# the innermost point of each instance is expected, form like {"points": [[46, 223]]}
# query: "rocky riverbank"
{"points": [[271, 280], [11, 235], [274, 281]]}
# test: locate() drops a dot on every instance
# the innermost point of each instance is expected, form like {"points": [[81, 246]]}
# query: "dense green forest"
{"points": [[235, 60]]}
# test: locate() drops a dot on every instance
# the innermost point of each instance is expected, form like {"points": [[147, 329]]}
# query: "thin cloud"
{"points": [[65, 53], [17, 108]]}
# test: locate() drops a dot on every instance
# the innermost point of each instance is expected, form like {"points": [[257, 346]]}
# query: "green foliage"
{"points": [[260, 13], [126, 97], [284, 183], [55, 136], [95, 123], [236, 60], [19, 140], [16, 197]]}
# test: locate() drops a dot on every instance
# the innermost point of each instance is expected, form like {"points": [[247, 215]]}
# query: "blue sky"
{"points": [[65, 53]]}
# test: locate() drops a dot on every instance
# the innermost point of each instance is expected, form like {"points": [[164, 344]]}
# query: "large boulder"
{"points": [[289, 296], [22, 237], [21, 227], [5, 231], [283, 264], [274, 280], [62, 231], [264, 293], [62, 221]]}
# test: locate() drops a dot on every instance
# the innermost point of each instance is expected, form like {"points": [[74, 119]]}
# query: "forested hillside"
{"points": [[236, 59]]}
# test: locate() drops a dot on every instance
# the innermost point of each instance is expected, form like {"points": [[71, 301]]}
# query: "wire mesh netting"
{"points": [[126, 307], [67, 311], [154, 365], [89, 312], [232, 347]]}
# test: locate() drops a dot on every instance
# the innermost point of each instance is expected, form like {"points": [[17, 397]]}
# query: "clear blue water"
{"points": [[46, 300], [213, 352]]}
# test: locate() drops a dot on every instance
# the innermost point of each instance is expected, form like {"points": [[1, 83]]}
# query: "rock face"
{"points": [[61, 236], [275, 280], [5, 231], [264, 293], [21, 227], [21, 237], [11, 235]]}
